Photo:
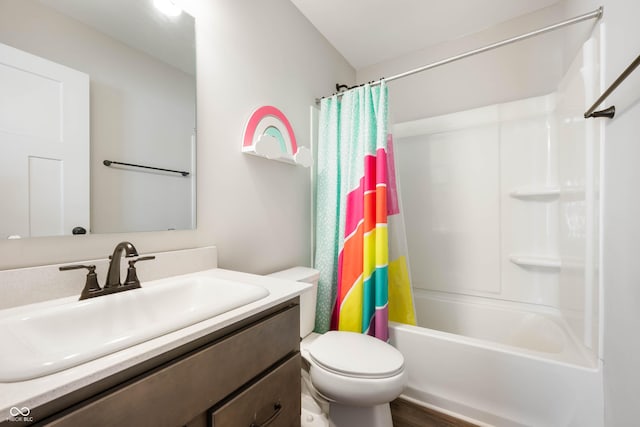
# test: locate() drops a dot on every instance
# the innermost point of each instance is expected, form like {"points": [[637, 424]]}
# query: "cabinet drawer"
{"points": [[173, 394], [273, 401]]}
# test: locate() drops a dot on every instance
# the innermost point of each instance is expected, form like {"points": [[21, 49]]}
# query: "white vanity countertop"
{"points": [[36, 392]]}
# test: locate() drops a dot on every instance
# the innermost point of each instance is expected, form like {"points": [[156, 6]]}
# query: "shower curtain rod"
{"points": [[596, 14]]}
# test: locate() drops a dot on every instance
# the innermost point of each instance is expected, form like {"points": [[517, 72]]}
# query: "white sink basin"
{"points": [[38, 342]]}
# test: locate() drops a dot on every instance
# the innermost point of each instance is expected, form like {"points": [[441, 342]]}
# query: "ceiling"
{"points": [[367, 32]]}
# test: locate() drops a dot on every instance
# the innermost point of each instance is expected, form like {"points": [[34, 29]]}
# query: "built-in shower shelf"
{"points": [[535, 193], [536, 261]]}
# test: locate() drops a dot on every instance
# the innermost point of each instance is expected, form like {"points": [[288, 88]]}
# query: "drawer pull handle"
{"points": [[277, 408]]}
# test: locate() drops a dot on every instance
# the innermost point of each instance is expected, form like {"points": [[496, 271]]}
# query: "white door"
{"points": [[44, 146]]}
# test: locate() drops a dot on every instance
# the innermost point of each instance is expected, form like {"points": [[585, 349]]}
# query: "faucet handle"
{"points": [[91, 286], [132, 277], [142, 258]]}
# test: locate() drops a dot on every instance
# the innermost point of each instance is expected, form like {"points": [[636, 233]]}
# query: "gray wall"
{"points": [[250, 53]]}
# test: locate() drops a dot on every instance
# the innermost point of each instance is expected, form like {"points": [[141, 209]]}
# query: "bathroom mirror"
{"points": [[83, 84]]}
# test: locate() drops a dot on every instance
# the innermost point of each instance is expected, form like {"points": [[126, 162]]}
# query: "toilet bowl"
{"points": [[355, 375]]}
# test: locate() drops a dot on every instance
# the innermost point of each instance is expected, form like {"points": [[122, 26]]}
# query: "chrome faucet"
{"points": [[113, 275], [113, 284]]}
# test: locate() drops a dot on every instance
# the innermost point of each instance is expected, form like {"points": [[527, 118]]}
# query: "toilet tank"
{"points": [[307, 299]]}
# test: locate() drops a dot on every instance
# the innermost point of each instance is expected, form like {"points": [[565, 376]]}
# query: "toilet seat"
{"points": [[355, 369], [348, 390], [356, 355]]}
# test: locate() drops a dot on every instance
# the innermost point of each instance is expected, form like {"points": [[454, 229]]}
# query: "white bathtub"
{"points": [[497, 363]]}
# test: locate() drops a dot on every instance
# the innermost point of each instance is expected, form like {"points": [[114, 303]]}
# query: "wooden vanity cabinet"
{"points": [[272, 400], [251, 375]]}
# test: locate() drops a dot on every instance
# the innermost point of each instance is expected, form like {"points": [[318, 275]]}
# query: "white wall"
{"points": [[521, 70], [621, 233], [145, 117], [621, 209], [249, 53]]}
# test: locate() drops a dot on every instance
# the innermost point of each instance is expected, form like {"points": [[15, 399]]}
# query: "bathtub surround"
{"points": [[520, 169], [528, 178], [503, 238]]}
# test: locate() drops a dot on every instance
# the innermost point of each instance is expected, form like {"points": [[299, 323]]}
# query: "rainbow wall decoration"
{"points": [[269, 134]]}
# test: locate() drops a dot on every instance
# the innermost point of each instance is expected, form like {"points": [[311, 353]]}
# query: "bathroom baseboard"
{"points": [[408, 414]]}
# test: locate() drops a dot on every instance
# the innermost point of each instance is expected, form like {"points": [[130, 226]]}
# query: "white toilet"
{"points": [[357, 375]]}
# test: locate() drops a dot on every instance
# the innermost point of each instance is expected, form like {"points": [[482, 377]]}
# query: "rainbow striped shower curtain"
{"points": [[364, 280]]}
